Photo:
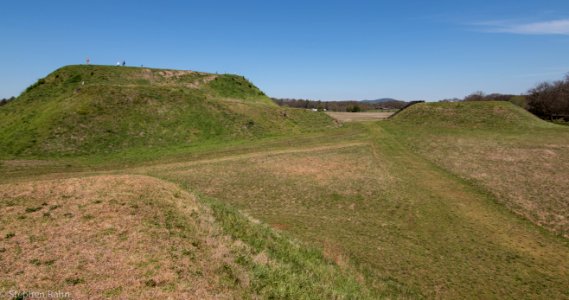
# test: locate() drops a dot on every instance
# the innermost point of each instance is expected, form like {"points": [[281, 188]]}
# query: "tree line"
{"points": [[548, 100], [350, 106], [519, 100]]}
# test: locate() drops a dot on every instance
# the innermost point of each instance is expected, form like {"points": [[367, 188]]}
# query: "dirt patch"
{"points": [[335, 253], [180, 78], [174, 73], [360, 116], [279, 226], [196, 84]]}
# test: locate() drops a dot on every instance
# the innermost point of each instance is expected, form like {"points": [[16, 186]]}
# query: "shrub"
{"points": [[550, 100]]}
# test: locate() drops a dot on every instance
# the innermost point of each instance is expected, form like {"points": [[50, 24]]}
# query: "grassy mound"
{"points": [[130, 236], [476, 115], [100, 109], [106, 236], [522, 160]]}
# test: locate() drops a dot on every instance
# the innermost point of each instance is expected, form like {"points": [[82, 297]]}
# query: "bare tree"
{"points": [[550, 99]]}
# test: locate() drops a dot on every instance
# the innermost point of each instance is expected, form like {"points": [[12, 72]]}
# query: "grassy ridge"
{"points": [[94, 109], [69, 78], [474, 115], [522, 160], [410, 228]]}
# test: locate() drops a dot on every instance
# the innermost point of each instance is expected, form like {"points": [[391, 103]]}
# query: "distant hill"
{"points": [[469, 114], [87, 109]]}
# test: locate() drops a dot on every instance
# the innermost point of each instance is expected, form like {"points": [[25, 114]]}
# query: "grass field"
{"points": [[441, 201], [125, 236], [413, 231], [359, 117], [525, 167]]}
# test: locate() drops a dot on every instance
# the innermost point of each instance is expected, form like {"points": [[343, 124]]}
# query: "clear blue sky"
{"points": [[329, 50]]}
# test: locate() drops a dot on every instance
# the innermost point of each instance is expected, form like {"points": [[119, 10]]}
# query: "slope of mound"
{"points": [[72, 78], [106, 236], [520, 159], [137, 237], [482, 114], [98, 109]]}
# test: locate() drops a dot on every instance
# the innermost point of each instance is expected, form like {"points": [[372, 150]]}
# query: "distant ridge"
{"points": [[381, 100]]}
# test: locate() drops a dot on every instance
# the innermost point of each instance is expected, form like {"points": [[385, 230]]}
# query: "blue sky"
{"points": [[328, 50]]}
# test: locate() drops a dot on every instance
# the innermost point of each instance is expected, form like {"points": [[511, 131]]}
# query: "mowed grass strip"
{"points": [[143, 158], [412, 229], [522, 161]]}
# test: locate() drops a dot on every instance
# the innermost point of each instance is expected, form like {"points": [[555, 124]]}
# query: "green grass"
{"points": [[454, 200], [409, 227], [291, 270], [236, 87], [79, 110], [521, 160], [497, 115]]}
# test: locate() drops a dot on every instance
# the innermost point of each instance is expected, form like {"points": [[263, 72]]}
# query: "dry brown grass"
{"points": [[257, 154], [22, 163], [390, 212], [337, 170], [126, 237], [359, 116], [530, 177], [408, 227], [173, 77]]}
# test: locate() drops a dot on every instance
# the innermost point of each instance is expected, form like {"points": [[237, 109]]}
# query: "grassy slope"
{"points": [[97, 237], [139, 111], [521, 159], [390, 220], [488, 115], [374, 208], [411, 228], [80, 110]]}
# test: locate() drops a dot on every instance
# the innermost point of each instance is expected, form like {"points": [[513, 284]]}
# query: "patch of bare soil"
{"points": [[359, 116], [126, 237], [176, 77]]}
